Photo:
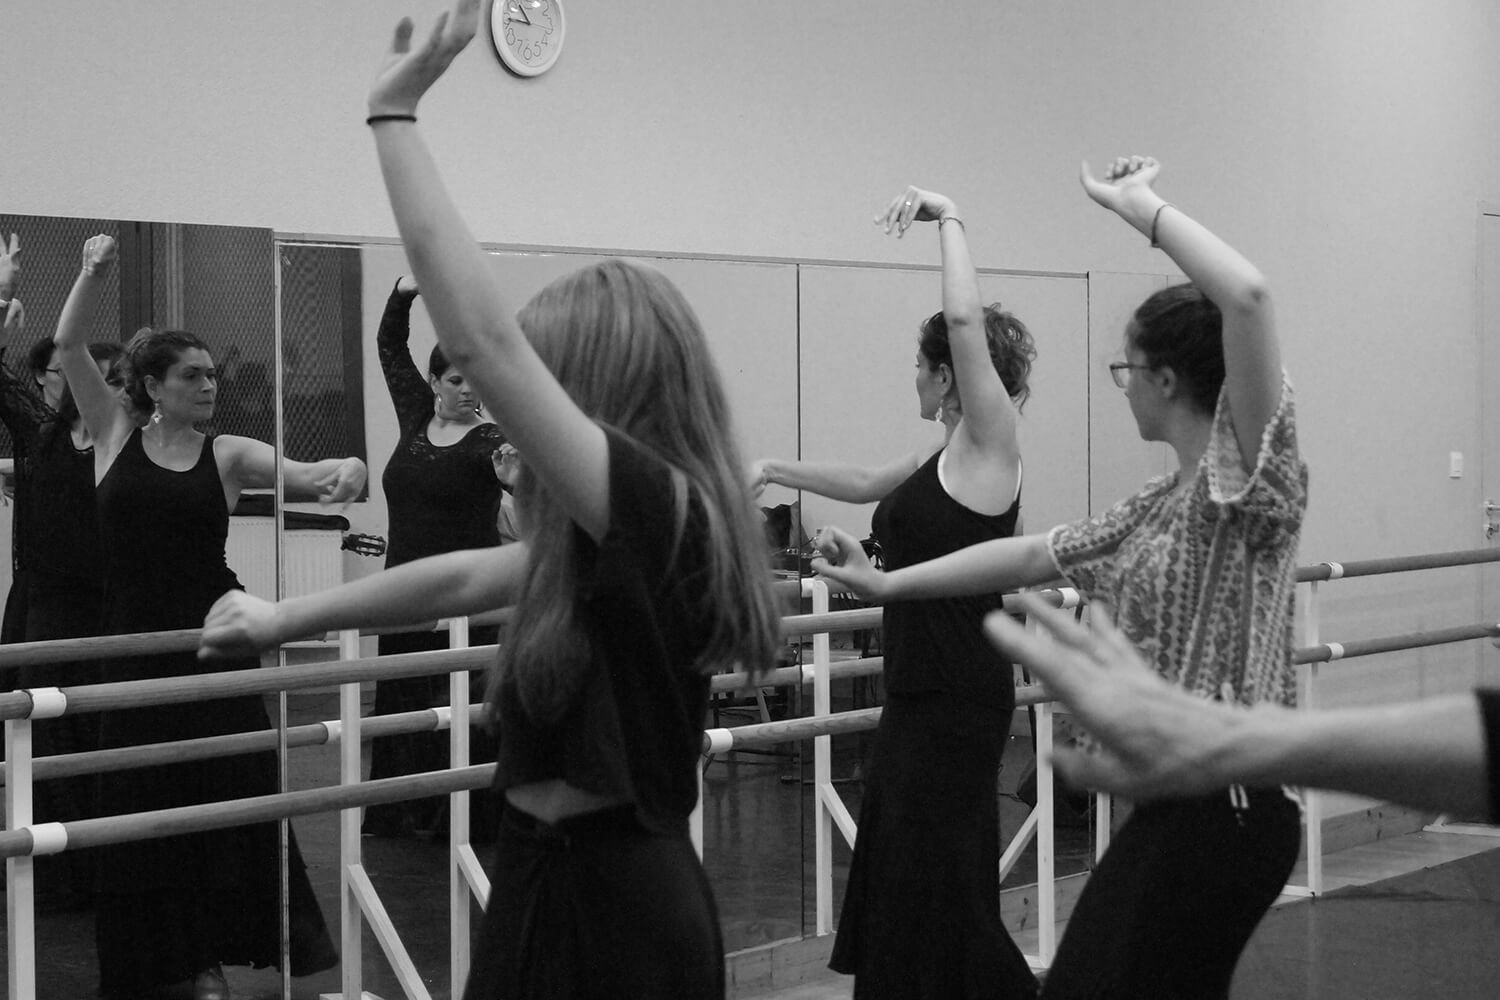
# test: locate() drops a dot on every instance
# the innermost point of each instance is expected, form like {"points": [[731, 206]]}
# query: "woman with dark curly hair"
{"points": [[173, 909], [921, 914]]}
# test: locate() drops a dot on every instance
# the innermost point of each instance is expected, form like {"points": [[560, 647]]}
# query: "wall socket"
{"points": [[1455, 465]]}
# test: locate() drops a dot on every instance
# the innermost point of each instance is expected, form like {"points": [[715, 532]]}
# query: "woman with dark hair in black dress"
{"points": [[441, 492]]}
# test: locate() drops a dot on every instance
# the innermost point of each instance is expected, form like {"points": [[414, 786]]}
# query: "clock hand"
{"points": [[517, 8]]}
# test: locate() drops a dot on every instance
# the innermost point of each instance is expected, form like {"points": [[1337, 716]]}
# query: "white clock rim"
{"points": [[508, 58]]}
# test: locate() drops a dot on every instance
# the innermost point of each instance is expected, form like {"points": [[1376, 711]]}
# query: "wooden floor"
{"points": [[1359, 865]]}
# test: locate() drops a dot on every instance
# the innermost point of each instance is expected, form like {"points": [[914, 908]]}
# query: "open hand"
{"points": [[1125, 177], [1157, 740], [407, 72], [10, 266], [913, 205], [238, 625], [507, 463]]}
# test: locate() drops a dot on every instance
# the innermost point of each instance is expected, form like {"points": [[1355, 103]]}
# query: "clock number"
{"points": [[510, 33]]}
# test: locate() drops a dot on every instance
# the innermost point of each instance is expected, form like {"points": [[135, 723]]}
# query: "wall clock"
{"points": [[528, 34]]}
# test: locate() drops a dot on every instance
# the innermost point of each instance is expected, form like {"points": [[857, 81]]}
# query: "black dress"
{"points": [[57, 592], [171, 907], [921, 913], [440, 498]]}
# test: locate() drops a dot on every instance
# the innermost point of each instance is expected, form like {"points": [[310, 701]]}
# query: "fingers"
{"points": [[401, 42], [15, 247]]}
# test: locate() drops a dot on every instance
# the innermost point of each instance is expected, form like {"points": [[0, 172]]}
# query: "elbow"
{"points": [[1253, 297]]}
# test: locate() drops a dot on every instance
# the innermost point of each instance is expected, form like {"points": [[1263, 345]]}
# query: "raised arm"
{"points": [[474, 322], [990, 417], [465, 582], [999, 565], [105, 418], [1252, 356], [837, 481], [10, 277], [410, 393], [1158, 740]]}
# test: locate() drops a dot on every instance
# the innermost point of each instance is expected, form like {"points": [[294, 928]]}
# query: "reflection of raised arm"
{"points": [[475, 324], [107, 421], [1252, 356], [849, 483], [10, 276], [410, 393], [443, 586], [1158, 740], [251, 464], [1002, 564], [990, 417]]}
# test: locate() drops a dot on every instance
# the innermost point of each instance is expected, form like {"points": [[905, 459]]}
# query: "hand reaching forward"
{"points": [[407, 72], [238, 625], [914, 205], [342, 484], [99, 254], [1125, 179], [842, 561], [1157, 739]]}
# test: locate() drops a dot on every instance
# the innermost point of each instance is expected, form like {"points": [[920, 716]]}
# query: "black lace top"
{"points": [[440, 497], [56, 529]]}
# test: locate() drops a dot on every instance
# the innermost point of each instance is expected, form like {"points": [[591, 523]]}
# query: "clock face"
{"points": [[528, 34]]}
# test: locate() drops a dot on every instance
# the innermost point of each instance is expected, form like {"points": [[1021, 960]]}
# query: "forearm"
{"points": [[1429, 753], [71, 335], [849, 483], [990, 567], [444, 586], [1221, 272]]}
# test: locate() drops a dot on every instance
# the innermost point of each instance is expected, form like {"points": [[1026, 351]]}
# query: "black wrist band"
{"points": [[373, 119]]}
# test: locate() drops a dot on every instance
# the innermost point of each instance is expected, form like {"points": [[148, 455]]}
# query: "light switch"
{"points": [[1455, 465]]}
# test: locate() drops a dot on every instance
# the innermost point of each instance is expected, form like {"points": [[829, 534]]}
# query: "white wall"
{"points": [[1344, 146]]}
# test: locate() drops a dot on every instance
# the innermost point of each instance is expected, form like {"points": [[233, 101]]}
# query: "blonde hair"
{"points": [[628, 349]]}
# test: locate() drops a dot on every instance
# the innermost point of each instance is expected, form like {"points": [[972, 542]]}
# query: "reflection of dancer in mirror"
{"points": [[1157, 741], [921, 914], [57, 583], [1200, 568], [441, 492], [508, 470], [175, 908], [641, 572]]}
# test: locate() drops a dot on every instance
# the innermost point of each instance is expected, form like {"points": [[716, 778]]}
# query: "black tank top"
{"points": [[938, 645]]}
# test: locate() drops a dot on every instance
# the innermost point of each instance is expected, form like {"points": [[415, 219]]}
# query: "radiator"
{"points": [[314, 560]]}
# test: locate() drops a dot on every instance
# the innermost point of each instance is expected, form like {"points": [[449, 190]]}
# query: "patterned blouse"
{"points": [[1202, 580]]}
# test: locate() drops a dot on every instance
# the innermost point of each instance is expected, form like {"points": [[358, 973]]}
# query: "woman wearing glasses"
{"points": [[1198, 567], [921, 914]]}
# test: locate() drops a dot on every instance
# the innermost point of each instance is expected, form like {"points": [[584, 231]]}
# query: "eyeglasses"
{"points": [[1118, 369]]}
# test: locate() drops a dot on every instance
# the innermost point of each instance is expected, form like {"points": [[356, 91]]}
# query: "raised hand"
{"points": [[507, 463], [343, 484], [913, 205], [1126, 178], [406, 285], [10, 266], [841, 560], [238, 625], [407, 72], [13, 322], [99, 254]]}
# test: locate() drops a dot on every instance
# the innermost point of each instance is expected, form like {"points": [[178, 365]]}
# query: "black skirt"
{"points": [[921, 914]]}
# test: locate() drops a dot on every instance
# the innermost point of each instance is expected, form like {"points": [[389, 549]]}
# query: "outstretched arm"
{"points": [[999, 565], [474, 322], [466, 582], [990, 417], [1158, 740], [252, 464], [1252, 355], [100, 408], [849, 483]]}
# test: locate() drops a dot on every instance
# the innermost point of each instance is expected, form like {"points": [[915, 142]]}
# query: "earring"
{"points": [[156, 413]]}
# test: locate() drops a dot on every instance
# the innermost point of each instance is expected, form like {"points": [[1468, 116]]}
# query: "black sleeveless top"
{"points": [[938, 646], [164, 534], [439, 497]]}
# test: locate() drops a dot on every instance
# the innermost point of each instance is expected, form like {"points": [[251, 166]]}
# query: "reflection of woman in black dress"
{"points": [[442, 492], [57, 590], [173, 909]]}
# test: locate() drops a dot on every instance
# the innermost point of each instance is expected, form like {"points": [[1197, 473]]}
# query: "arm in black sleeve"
{"points": [[410, 393]]}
